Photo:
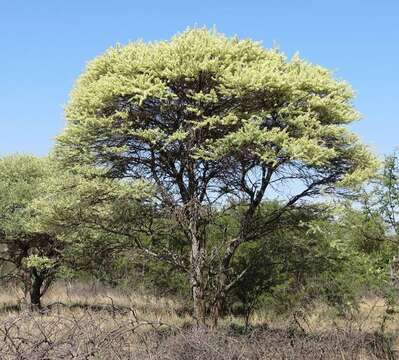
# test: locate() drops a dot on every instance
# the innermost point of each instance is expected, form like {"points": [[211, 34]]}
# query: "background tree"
{"points": [[385, 200], [332, 255], [288, 258], [384, 196], [30, 257], [213, 122], [116, 216], [380, 199]]}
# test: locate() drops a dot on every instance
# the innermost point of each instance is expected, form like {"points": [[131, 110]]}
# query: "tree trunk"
{"points": [[220, 298], [35, 292], [222, 281], [197, 280], [197, 269], [247, 313]]}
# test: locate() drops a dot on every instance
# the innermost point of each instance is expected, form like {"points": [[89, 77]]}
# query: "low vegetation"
{"points": [[90, 321]]}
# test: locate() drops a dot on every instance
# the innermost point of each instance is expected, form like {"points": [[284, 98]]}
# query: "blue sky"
{"points": [[44, 46]]}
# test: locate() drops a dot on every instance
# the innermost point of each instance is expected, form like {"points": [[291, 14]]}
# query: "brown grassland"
{"points": [[82, 321]]}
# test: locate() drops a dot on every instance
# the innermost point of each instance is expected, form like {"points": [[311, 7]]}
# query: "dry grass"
{"points": [[96, 297], [88, 335], [368, 318], [94, 322]]}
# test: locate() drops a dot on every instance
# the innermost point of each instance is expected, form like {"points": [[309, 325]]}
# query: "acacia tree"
{"points": [[212, 122], [386, 192], [381, 199], [29, 256], [97, 217]]}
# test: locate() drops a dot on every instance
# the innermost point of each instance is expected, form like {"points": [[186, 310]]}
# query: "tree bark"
{"points": [[35, 292], [220, 298], [197, 268]]}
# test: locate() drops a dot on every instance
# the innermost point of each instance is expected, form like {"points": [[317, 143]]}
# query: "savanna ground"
{"points": [[90, 321]]}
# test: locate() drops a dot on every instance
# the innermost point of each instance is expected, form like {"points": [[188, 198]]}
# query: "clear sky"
{"points": [[44, 46]]}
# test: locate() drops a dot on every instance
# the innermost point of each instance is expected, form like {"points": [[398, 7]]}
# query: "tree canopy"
{"points": [[210, 98], [32, 257]]}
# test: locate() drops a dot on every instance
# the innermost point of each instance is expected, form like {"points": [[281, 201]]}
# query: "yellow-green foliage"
{"points": [[23, 179], [91, 199], [39, 262], [230, 95]]}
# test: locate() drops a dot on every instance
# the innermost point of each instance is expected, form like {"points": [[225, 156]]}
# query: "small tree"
{"points": [[29, 256], [212, 122], [385, 197], [292, 254], [381, 200], [115, 216]]}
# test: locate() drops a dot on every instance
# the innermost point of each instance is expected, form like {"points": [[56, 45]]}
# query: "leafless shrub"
{"points": [[71, 335], [199, 344], [98, 335]]}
